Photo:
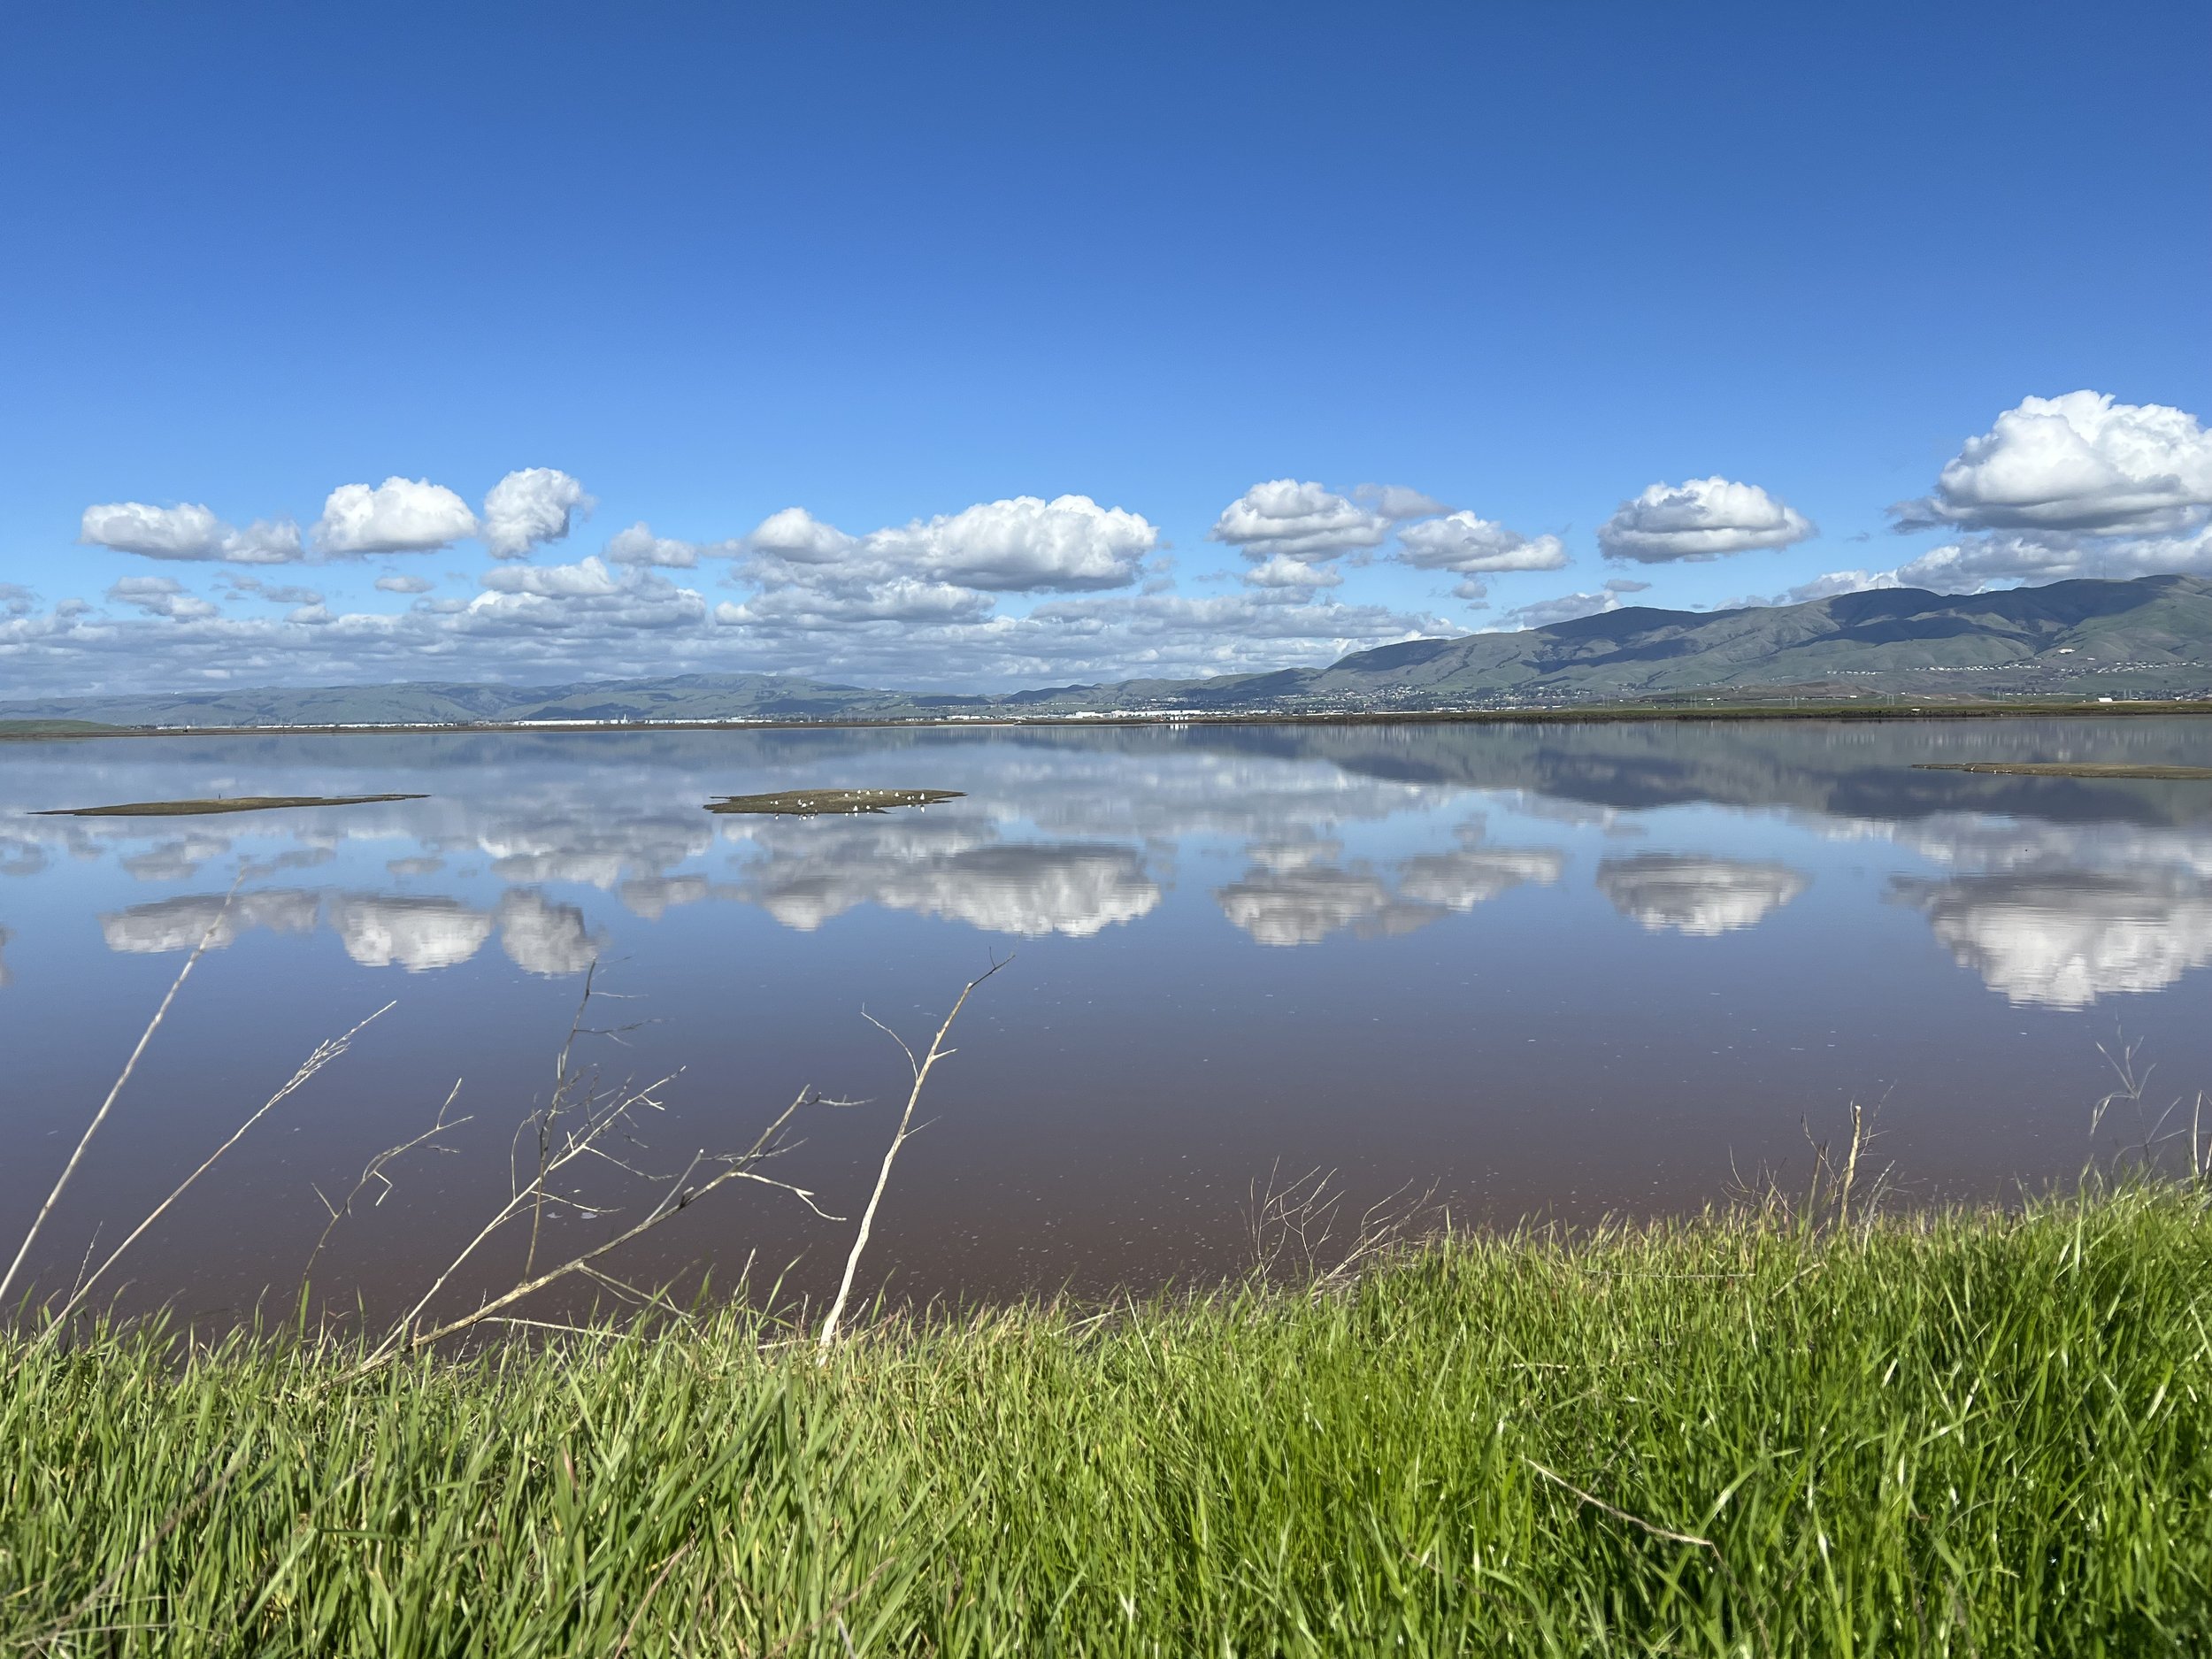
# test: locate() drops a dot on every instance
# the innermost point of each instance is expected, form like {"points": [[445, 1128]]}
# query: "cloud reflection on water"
{"points": [[414, 931], [1684, 893], [1076, 836]]}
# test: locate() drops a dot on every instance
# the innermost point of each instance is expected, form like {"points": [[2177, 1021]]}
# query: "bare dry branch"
{"points": [[921, 1069]]}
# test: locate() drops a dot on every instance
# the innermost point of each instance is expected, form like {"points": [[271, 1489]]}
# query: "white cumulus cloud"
{"points": [[1700, 518], [2082, 464], [188, 532], [1280, 570], [1469, 546], [1284, 516], [404, 583], [401, 515], [529, 507], [1069, 544]]}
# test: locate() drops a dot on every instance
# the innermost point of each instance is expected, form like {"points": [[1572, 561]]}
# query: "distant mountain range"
{"points": [[2150, 637]]}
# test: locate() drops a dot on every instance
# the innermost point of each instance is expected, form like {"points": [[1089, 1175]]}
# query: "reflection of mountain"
{"points": [[944, 867], [2064, 938], [1685, 894], [414, 933], [180, 924], [1854, 769]]}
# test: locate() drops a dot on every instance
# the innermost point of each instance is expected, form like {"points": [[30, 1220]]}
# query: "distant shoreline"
{"points": [[44, 731]]}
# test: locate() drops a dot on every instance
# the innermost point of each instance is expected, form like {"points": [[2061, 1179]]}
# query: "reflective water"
{"points": [[1553, 970]]}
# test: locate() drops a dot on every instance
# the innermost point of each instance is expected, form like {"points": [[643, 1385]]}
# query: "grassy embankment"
{"points": [[1972, 1433]]}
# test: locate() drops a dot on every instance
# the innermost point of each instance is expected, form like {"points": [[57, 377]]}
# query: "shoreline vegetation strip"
{"points": [[1962, 1433]]}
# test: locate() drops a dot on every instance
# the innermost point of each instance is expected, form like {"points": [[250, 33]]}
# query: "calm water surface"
{"points": [[1557, 971]]}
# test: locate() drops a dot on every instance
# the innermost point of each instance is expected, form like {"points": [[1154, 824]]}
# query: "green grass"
{"points": [[1967, 1434]]}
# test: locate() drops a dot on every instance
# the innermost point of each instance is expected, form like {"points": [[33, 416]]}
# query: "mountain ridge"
{"points": [[2149, 636]]}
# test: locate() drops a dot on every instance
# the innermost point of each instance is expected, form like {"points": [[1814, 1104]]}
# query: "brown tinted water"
{"points": [[1555, 971]]}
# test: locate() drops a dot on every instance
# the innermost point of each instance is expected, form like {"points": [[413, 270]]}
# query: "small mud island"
{"points": [[808, 802], [219, 803]]}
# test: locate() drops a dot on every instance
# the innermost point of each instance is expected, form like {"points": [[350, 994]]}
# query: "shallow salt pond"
{"points": [[1557, 971]]}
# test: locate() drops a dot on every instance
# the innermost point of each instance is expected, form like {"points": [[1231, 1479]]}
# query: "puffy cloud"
{"points": [[188, 532], [796, 536], [2077, 464], [1687, 893], [1280, 570], [533, 505], [1701, 519], [1565, 608], [398, 516], [814, 579], [417, 933], [1069, 544], [2064, 938], [638, 545], [1285, 517], [1463, 543], [404, 583], [161, 596], [16, 599]]}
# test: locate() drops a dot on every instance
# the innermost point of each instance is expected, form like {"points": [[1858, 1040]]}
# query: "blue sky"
{"points": [[901, 268]]}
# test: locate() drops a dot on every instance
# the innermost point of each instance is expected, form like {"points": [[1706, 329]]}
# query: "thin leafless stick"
{"points": [[921, 1069], [93, 1128], [373, 1170], [323, 1054]]}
